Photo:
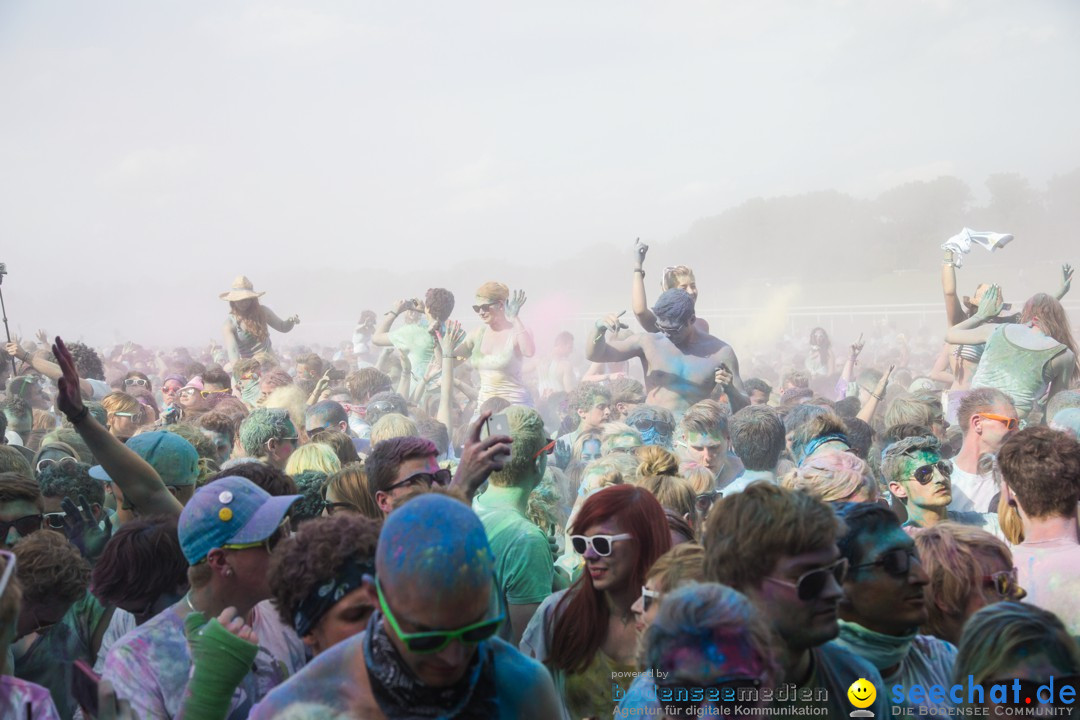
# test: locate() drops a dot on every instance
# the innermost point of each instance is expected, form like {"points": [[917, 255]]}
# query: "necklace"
{"points": [[187, 599]]}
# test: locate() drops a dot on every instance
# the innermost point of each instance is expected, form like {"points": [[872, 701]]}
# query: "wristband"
{"points": [[639, 270], [79, 416]]}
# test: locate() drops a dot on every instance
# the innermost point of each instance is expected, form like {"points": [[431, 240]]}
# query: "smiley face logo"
{"points": [[862, 693]]}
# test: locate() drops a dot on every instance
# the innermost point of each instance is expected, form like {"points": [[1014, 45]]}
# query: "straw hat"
{"points": [[242, 289]]}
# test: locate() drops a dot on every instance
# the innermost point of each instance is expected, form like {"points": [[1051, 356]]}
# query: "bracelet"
{"points": [[639, 270], [80, 416], [879, 397]]}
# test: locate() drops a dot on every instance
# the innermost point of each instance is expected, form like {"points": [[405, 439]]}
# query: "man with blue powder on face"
{"points": [[431, 649], [682, 363]]}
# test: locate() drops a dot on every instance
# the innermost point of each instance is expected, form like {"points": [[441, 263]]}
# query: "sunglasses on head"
{"points": [[209, 393], [1005, 584], [925, 473], [486, 307], [601, 544], [664, 428], [134, 416], [67, 464], [435, 640], [896, 563], [811, 584], [136, 381], [382, 406], [24, 526], [441, 478], [1010, 423]]}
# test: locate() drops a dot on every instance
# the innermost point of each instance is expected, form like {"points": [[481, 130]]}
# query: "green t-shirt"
{"points": [[416, 342], [523, 565]]}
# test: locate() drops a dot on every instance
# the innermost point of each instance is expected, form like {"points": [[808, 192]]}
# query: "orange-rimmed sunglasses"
{"points": [[1010, 423]]}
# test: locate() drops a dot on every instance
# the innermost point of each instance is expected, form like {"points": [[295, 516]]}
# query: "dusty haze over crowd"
{"points": [[336, 152]]}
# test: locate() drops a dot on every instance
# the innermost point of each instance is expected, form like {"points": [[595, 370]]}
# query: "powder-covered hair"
{"points": [[710, 615], [386, 457], [262, 425], [615, 430], [527, 430], [437, 543], [894, 457], [833, 477], [953, 557], [998, 637], [674, 307]]}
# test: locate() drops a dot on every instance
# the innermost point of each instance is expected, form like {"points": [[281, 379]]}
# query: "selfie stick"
{"points": [[3, 310]]}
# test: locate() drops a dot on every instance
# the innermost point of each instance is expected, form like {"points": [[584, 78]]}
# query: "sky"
{"points": [[151, 151]]}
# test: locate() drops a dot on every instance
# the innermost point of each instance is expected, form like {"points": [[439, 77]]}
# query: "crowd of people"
{"points": [[430, 522]]}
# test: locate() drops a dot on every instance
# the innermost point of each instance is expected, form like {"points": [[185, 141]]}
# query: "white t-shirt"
{"points": [[971, 492], [1047, 570]]}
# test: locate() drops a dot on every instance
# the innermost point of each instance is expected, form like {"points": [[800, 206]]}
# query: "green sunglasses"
{"points": [[436, 640]]}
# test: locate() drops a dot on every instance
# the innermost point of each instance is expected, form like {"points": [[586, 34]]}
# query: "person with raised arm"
{"points": [[683, 364]]}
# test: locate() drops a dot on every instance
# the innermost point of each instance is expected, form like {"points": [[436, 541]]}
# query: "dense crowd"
{"points": [[429, 522]]}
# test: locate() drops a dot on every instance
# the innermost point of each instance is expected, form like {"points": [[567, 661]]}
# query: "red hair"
{"points": [[582, 613]]}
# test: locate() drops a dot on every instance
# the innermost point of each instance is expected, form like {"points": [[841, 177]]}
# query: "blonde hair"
{"points": [[833, 477], [684, 563], [655, 461], [117, 401], [493, 291], [314, 456], [701, 479], [614, 431], [350, 483], [390, 426], [673, 493], [952, 556], [672, 275]]}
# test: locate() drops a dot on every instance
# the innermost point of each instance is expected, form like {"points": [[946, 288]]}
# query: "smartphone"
{"points": [[496, 425], [84, 687], [335, 375]]}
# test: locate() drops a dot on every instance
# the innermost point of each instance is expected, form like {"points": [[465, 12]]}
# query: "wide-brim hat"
{"points": [[242, 289]]}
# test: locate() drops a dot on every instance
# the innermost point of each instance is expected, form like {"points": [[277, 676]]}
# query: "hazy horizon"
{"points": [[153, 151]]}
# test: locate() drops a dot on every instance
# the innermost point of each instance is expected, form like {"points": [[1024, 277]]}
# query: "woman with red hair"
{"points": [[586, 635]]}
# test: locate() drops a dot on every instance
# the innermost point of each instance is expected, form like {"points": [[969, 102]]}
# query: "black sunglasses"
{"points": [[441, 478], [896, 563], [705, 501], [486, 307], [925, 473], [664, 428], [24, 526]]}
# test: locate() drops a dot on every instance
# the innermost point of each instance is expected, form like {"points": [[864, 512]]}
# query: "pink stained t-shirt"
{"points": [[23, 700], [1048, 570]]}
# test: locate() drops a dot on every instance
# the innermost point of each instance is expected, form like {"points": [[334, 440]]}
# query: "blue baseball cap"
{"points": [[229, 511], [174, 458]]}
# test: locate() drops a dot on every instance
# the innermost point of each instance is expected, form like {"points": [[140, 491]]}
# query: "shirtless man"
{"points": [[682, 363]]}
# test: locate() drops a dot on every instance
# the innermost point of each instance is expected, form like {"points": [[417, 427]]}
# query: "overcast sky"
{"points": [[150, 151]]}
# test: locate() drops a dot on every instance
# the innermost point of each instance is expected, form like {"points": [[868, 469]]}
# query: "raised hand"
{"points": [[991, 302], [449, 340], [69, 398], [857, 347], [294, 319], [1066, 276], [410, 304], [640, 251], [514, 303], [82, 529], [12, 348], [42, 338], [612, 323]]}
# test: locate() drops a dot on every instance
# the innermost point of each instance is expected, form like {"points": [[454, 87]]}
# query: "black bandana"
{"points": [[325, 596], [401, 695]]}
